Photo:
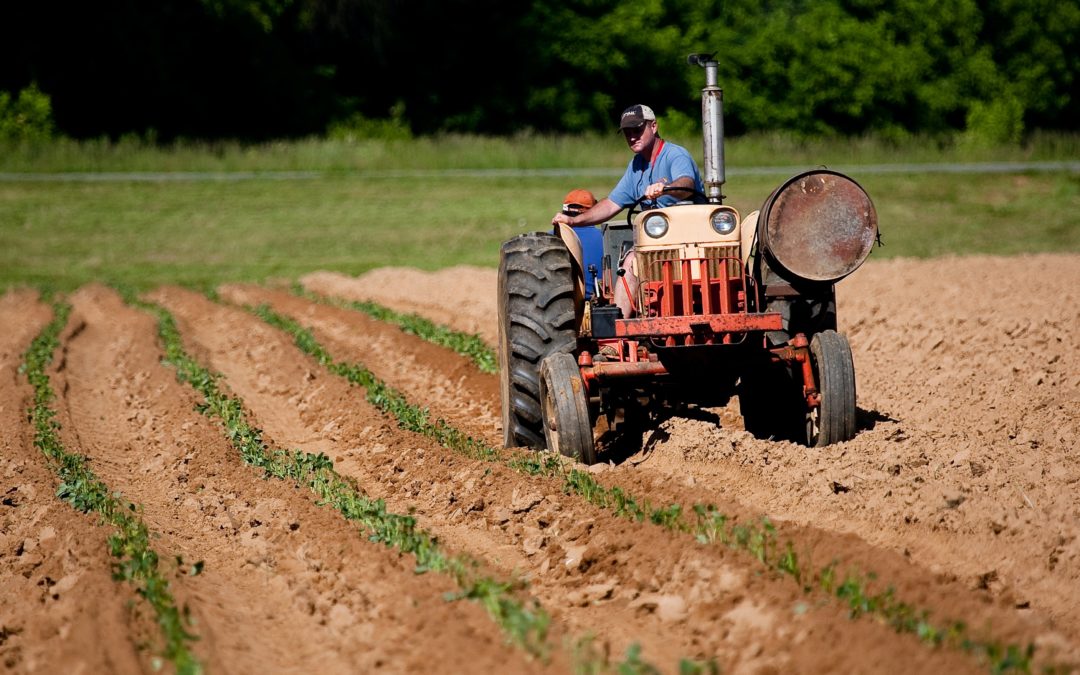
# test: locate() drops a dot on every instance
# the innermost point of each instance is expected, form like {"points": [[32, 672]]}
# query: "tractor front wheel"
{"points": [[568, 428], [833, 421]]}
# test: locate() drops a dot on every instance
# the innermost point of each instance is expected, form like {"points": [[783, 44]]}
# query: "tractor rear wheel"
{"points": [[536, 319], [833, 421], [568, 428]]}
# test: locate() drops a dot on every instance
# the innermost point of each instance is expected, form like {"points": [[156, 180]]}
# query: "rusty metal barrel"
{"points": [[817, 226]]}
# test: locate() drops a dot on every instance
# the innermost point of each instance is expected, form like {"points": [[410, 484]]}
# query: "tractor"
{"points": [[724, 305]]}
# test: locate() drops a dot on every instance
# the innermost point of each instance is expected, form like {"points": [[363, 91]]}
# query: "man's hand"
{"points": [[562, 219], [656, 189]]}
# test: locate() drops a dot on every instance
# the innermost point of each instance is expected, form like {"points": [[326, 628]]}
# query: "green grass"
{"points": [[347, 219], [523, 151], [202, 233]]}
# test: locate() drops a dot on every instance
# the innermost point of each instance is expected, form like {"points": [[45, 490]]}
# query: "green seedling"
{"points": [[130, 543], [469, 345], [525, 624]]}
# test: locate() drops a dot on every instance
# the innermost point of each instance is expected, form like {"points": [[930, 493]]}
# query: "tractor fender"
{"points": [[577, 258], [746, 235]]}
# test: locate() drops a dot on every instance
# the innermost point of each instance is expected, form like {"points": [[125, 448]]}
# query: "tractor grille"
{"points": [[719, 267], [651, 268]]}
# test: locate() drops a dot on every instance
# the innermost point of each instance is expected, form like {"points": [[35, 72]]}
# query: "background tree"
{"points": [[266, 68]]}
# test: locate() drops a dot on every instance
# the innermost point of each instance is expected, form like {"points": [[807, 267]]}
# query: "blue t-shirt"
{"points": [[672, 162]]}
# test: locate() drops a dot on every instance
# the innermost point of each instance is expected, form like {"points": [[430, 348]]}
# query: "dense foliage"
{"points": [[263, 68]]}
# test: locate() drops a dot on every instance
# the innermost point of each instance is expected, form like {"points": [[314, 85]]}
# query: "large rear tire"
{"points": [[568, 428], [833, 421], [536, 319]]}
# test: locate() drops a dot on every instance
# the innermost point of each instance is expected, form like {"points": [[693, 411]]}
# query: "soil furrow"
{"points": [[460, 297], [345, 333], [964, 463], [283, 583], [970, 415], [621, 580], [701, 482], [60, 610], [447, 383]]}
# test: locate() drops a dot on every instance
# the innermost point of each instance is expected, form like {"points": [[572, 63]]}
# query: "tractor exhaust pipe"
{"points": [[712, 127]]}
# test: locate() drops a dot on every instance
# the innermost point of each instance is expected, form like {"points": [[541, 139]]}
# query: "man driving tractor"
{"points": [[656, 165], [725, 305]]}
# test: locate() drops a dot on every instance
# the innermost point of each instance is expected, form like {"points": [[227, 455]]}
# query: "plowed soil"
{"points": [[959, 491]]}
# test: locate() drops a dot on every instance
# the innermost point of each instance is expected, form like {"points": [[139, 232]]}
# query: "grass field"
{"points": [[346, 218]]}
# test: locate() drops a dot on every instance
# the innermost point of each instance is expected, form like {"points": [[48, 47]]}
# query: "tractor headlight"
{"points": [[723, 221], [656, 226]]}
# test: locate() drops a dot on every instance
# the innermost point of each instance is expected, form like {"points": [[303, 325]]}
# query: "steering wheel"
{"points": [[696, 196]]}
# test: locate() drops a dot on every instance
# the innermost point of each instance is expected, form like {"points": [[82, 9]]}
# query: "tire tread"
{"points": [[536, 319]]}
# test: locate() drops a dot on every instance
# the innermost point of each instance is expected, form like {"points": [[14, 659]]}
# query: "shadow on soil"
{"points": [[865, 420], [643, 431]]}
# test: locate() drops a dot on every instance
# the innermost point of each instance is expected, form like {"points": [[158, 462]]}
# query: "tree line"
{"points": [[257, 69]]}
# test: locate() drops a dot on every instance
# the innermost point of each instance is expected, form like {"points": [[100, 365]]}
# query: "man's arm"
{"points": [[603, 210]]}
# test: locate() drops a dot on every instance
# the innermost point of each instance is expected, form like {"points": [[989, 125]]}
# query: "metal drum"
{"points": [[818, 226]]}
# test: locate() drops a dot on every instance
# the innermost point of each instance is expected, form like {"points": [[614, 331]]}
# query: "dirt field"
{"points": [[959, 492]]}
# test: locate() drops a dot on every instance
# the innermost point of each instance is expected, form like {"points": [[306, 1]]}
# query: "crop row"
{"points": [[526, 624], [130, 544], [703, 521], [469, 345]]}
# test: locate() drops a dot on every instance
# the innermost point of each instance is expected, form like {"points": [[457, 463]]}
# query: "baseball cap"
{"points": [[577, 201], [635, 116]]}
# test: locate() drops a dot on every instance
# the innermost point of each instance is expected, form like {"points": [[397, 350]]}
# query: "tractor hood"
{"points": [[689, 224]]}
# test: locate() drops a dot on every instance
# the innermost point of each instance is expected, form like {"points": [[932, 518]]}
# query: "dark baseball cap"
{"points": [[635, 116]]}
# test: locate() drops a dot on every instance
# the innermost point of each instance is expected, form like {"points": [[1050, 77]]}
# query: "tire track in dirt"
{"points": [[286, 584], [965, 462], [624, 581], [55, 567]]}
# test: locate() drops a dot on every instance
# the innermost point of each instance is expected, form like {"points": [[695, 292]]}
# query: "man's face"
{"points": [[640, 138]]}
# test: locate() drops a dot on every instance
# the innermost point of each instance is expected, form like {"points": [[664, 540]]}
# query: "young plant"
{"points": [[526, 624], [130, 543], [469, 345]]}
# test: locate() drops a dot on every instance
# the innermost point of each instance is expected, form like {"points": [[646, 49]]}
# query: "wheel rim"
{"points": [[550, 419], [564, 412], [813, 424]]}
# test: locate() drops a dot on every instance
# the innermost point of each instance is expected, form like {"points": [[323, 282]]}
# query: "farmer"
{"points": [[656, 165]]}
